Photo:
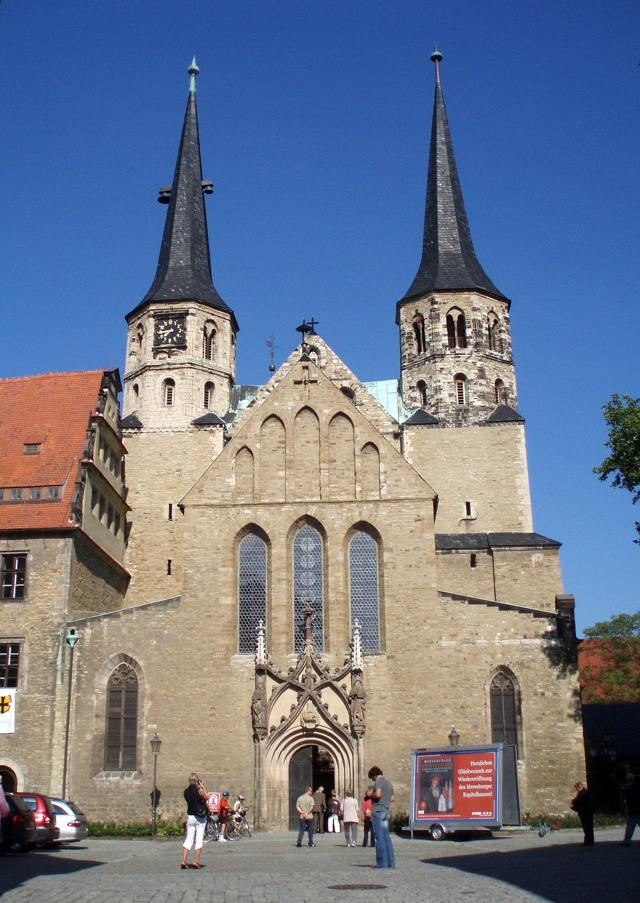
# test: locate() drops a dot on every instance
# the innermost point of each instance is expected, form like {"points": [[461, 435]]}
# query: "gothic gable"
{"points": [[305, 441]]}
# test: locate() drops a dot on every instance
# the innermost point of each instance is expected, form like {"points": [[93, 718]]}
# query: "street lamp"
{"points": [[454, 737], [156, 743], [71, 639]]}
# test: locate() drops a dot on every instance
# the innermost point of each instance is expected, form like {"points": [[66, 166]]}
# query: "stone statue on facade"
{"points": [[357, 703], [259, 706]]}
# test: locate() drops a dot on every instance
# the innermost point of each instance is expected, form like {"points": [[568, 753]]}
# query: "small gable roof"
{"points": [[505, 414]]}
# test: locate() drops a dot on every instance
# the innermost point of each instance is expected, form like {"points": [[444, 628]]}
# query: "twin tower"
{"points": [[455, 340]]}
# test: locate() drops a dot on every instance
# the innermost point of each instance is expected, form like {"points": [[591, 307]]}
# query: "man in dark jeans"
{"points": [[382, 798], [304, 808]]}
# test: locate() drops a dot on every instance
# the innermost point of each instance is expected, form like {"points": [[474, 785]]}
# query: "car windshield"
{"points": [[30, 801]]}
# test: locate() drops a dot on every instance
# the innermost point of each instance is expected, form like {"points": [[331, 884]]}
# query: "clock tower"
{"points": [[181, 337], [180, 367]]}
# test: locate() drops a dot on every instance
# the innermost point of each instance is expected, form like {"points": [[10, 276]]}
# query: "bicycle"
{"points": [[238, 826], [211, 829]]}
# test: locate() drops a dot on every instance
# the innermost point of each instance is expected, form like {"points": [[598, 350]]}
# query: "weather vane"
{"points": [[271, 345]]}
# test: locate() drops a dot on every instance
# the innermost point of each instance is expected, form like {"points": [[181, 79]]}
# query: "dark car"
{"points": [[18, 827], [43, 816]]}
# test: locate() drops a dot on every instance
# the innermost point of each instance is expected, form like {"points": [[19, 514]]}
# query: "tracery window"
{"points": [[252, 589], [122, 720], [308, 584], [363, 579], [504, 710]]}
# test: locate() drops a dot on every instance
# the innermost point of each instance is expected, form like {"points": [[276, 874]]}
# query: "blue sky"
{"points": [[314, 120]]}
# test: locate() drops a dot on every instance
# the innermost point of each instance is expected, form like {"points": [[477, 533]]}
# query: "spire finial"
{"points": [[193, 72], [436, 57]]}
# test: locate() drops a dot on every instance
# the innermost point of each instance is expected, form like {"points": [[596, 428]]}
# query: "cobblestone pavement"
{"points": [[269, 869]]}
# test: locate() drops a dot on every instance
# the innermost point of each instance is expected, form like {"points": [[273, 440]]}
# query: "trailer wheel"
{"points": [[437, 832]]}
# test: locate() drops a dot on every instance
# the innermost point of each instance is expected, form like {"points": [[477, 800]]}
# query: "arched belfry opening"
{"points": [[308, 727]]}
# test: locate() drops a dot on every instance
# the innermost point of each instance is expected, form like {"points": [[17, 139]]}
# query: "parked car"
{"points": [[18, 827], [70, 821], [43, 816]]}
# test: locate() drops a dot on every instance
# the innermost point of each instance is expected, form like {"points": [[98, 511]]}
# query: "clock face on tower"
{"points": [[171, 330]]}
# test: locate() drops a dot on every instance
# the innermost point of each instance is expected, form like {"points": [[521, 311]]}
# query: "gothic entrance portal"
{"points": [[311, 765]]}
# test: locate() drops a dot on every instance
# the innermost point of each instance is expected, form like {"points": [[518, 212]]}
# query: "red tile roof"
{"points": [[54, 409]]}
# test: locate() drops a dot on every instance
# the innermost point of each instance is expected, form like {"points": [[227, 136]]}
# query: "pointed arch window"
{"points": [[460, 384], [363, 584], [252, 589], [209, 390], [121, 732], [422, 392], [504, 710], [419, 334], [308, 590], [169, 392], [495, 341]]}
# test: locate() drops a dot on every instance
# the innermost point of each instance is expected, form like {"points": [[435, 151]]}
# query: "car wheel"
{"points": [[437, 832]]}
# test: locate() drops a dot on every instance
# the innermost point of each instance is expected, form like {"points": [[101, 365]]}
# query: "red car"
{"points": [[43, 816]]}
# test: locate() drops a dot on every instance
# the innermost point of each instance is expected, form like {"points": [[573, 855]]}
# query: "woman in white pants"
{"points": [[196, 799], [333, 822]]}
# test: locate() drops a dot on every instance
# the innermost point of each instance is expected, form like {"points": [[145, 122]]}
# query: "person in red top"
{"points": [[368, 824], [223, 815]]}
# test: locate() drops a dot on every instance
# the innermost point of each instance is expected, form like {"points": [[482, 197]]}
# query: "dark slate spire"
{"points": [[449, 262], [184, 264]]}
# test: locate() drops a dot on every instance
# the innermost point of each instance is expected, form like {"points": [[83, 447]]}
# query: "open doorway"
{"points": [[9, 780], [313, 766]]}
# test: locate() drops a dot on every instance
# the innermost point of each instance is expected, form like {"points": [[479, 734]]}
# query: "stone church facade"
{"points": [[322, 574]]}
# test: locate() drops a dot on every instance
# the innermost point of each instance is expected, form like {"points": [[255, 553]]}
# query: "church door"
{"points": [[310, 766]]}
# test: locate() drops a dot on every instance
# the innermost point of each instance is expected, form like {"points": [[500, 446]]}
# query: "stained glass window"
{"points": [[122, 720], [307, 581], [504, 728], [363, 572], [252, 589]]}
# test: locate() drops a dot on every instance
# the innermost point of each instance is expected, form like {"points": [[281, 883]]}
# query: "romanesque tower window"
{"points": [[252, 589], [140, 335], [460, 384], [169, 392], [456, 330], [495, 341], [136, 391], [504, 710], [308, 556], [422, 392], [208, 341], [209, 389], [419, 334], [122, 720], [499, 392], [363, 581]]}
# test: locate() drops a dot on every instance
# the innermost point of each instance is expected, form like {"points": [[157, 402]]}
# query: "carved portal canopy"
{"points": [[309, 696]]}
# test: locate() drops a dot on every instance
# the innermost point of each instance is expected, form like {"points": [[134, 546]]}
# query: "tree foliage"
{"points": [[622, 416], [610, 670]]}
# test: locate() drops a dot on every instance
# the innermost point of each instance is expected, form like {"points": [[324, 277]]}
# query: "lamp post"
{"points": [[454, 737], [71, 639], [156, 743]]}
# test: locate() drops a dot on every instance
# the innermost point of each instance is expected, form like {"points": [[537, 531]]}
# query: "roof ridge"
{"points": [[7, 379]]}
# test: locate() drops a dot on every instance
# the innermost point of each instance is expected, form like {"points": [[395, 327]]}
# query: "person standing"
{"points": [[304, 808], [381, 810], [196, 798], [368, 824], [582, 804], [223, 816], [351, 817], [319, 808], [333, 822], [631, 796]]}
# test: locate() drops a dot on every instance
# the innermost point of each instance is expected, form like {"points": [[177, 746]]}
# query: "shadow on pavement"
{"points": [[604, 871], [18, 868]]}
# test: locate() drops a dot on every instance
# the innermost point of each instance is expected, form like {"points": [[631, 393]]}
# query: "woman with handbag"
{"points": [[196, 798]]}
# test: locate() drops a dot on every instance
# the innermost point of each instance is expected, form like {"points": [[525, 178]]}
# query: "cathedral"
{"points": [[288, 583]]}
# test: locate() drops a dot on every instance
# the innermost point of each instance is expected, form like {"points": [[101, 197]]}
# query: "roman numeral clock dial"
{"points": [[171, 330]]}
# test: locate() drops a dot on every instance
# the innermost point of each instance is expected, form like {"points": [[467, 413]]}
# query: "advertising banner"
{"points": [[452, 784], [7, 710]]}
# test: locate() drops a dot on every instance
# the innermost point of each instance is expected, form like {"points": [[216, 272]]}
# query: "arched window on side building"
{"points": [[252, 589], [120, 745], [363, 584]]}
